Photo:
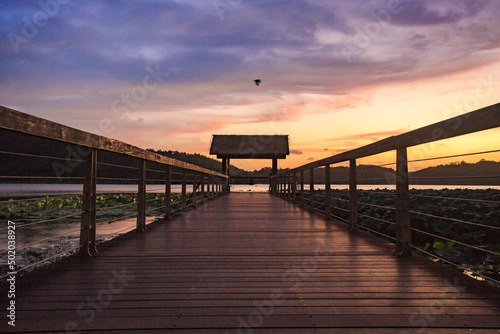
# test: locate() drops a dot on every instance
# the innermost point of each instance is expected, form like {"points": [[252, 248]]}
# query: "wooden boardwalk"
{"points": [[250, 263]]}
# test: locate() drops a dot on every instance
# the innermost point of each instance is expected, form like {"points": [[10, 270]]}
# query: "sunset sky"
{"points": [[336, 75]]}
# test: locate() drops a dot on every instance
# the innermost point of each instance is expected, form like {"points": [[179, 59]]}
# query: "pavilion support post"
{"points": [[403, 223], [311, 190], [353, 197], [225, 171], [328, 194], [228, 188], [273, 181], [224, 166], [88, 220], [301, 188], [183, 191], [141, 198]]}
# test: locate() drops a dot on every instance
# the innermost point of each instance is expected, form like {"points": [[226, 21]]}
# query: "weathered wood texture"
{"points": [[20, 122], [251, 263]]}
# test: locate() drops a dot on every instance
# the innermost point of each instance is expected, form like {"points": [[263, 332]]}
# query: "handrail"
{"points": [[474, 121], [289, 180], [20, 122], [213, 184]]}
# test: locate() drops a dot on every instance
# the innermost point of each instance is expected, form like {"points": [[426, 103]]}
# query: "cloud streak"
{"points": [[315, 57]]}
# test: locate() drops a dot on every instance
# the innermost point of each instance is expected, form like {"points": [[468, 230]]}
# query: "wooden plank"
{"points": [[207, 269], [20, 122]]}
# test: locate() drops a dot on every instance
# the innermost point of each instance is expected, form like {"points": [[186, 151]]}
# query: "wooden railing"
{"points": [[291, 182], [75, 157]]}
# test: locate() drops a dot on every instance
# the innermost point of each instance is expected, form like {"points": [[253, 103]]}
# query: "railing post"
{"points": [[301, 188], [209, 184], [289, 186], [283, 186], [168, 193], [403, 224], [141, 198], [328, 194], [183, 192], [88, 220], [311, 190], [202, 188], [294, 187], [194, 195], [353, 197], [279, 180]]}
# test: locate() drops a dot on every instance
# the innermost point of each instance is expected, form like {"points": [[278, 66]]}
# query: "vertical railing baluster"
{"points": [[88, 220], [301, 188], [353, 197], [289, 186], [141, 198], [183, 191], [283, 185], [294, 187], [328, 195], [403, 225], [209, 183], [311, 190], [194, 194], [202, 188], [168, 193], [213, 195]]}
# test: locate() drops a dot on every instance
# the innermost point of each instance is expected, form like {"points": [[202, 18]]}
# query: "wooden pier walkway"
{"points": [[250, 263]]}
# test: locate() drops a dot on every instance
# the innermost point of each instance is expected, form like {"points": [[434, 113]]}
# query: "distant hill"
{"points": [[483, 172], [211, 163], [456, 173]]}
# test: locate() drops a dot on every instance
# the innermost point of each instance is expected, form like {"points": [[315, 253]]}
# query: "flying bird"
{"points": [[257, 82]]}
